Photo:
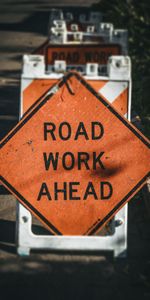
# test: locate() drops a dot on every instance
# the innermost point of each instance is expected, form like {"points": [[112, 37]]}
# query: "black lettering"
{"points": [[69, 58], [75, 57], [50, 159], [83, 157], [97, 159], [97, 135], [96, 57], [57, 191], [71, 162], [44, 192], [90, 191], [61, 134], [103, 190], [71, 191], [88, 57], [49, 128], [81, 131], [62, 56], [54, 56]]}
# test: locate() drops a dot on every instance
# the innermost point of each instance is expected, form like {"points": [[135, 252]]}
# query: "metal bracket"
{"points": [[27, 240], [33, 64], [60, 66], [119, 67], [64, 25], [91, 69]]}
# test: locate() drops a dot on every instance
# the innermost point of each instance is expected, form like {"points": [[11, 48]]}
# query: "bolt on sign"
{"points": [[73, 160], [79, 55]]}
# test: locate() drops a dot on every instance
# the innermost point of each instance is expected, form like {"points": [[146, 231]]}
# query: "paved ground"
{"points": [[55, 276]]}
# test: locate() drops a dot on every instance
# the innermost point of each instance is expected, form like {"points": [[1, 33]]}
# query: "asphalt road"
{"points": [[23, 27]]}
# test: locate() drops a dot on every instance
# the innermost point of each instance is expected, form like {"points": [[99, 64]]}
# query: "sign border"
{"points": [[28, 116]]}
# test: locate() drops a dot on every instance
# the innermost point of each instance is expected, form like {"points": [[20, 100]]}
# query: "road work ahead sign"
{"points": [[73, 160]]}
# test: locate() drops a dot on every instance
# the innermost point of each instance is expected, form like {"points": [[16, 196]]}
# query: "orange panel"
{"points": [[39, 87], [81, 54], [73, 160], [121, 103], [35, 90]]}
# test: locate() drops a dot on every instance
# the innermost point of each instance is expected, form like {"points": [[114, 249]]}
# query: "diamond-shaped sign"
{"points": [[73, 160]]}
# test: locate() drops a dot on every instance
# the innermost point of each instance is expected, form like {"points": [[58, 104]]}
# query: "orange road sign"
{"points": [[81, 54], [73, 160], [115, 92]]}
